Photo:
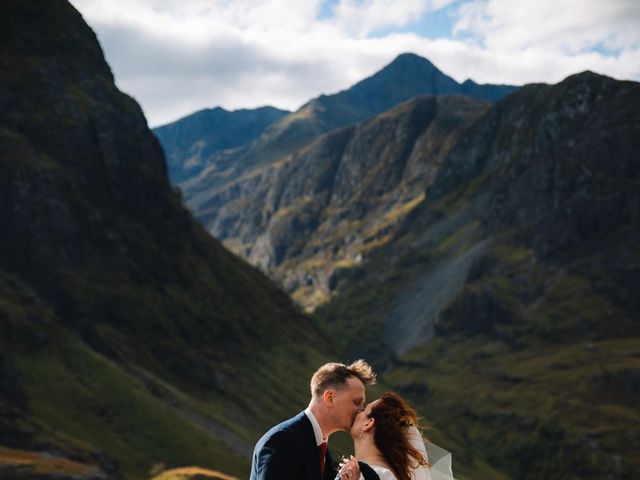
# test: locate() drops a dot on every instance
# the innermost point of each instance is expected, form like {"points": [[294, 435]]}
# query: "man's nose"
{"points": [[360, 408]]}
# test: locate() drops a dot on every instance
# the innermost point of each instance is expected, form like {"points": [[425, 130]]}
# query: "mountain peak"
{"points": [[409, 59], [586, 76], [409, 67], [406, 76]]}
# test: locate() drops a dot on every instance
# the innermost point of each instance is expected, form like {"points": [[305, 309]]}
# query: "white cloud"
{"points": [[569, 26], [178, 56], [230, 53], [361, 17]]}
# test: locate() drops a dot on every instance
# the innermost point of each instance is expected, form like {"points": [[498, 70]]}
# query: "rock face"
{"points": [[324, 208], [562, 179], [516, 280], [550, 168], [118, 312], [190, 143], [407, 76]]}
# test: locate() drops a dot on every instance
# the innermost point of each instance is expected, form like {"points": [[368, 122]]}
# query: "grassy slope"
{"points": [[74, 390], [544, 386], [80, 401], [530, 404], [556, 411]]}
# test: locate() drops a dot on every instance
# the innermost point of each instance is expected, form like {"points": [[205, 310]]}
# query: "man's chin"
{"points": [[348, 430]]}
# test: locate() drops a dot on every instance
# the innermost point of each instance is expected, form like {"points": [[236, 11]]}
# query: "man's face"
{"points": [[348, 402]]}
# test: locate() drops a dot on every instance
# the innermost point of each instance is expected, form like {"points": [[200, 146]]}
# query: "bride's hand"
{"points": [[349, 469]]}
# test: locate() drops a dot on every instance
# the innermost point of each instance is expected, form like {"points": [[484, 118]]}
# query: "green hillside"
{"points": [[131, 341]]}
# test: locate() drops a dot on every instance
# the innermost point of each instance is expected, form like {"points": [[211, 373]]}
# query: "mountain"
{"points": [[131, 341], [506, 305], [407, 76], [189, 142]]}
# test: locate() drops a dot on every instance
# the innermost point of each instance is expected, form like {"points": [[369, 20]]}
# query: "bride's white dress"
{"points": [[382, 472]]}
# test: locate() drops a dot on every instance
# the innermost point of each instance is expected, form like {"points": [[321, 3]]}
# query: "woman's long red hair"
{"points": [[393, 416]]}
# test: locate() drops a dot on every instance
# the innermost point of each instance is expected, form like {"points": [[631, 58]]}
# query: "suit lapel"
{"points": [[312, 460]]}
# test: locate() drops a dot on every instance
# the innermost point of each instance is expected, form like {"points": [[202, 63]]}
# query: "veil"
{"points": [[438, 457]]}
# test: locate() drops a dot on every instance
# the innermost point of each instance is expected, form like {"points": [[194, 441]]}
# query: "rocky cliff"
{"points": [[322, 210], [130, 339]]}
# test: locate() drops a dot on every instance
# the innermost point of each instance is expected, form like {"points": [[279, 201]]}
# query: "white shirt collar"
{"points": [[317, 431]]}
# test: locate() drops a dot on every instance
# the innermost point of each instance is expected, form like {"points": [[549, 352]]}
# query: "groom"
{"points": [[296, 449]]}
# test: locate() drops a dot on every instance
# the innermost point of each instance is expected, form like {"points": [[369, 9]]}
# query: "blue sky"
{"points": [[179, 56]]}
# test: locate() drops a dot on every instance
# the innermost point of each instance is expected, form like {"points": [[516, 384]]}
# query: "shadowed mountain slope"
{"points": [[189, 142], [506, 305], [130, 340]]}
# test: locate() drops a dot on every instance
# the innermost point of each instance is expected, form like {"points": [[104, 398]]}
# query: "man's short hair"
{"points": [[335, 375]]}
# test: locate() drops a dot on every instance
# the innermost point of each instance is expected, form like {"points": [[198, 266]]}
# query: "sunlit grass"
{"points": [[186, 473], [37, 463]]}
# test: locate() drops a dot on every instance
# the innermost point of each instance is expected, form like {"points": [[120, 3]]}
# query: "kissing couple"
{"points": [[387, 442]]}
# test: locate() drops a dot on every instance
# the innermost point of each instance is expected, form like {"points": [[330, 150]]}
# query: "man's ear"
{"points": [[328, 397]]}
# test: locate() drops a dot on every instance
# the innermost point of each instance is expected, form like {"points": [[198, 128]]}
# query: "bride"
{"points": [[389, 446]]}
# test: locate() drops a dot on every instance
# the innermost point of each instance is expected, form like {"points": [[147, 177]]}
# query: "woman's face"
{"points": [[362, 420]]}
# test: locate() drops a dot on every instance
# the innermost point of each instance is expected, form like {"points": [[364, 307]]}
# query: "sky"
{"points": [[176, 57]]}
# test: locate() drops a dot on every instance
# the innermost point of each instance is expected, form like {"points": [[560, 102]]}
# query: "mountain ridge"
{"points": [[216, 129], [406, 76]]}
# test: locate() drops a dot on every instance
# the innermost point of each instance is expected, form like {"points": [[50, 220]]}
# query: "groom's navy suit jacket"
{"points": [[289, 452]]}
